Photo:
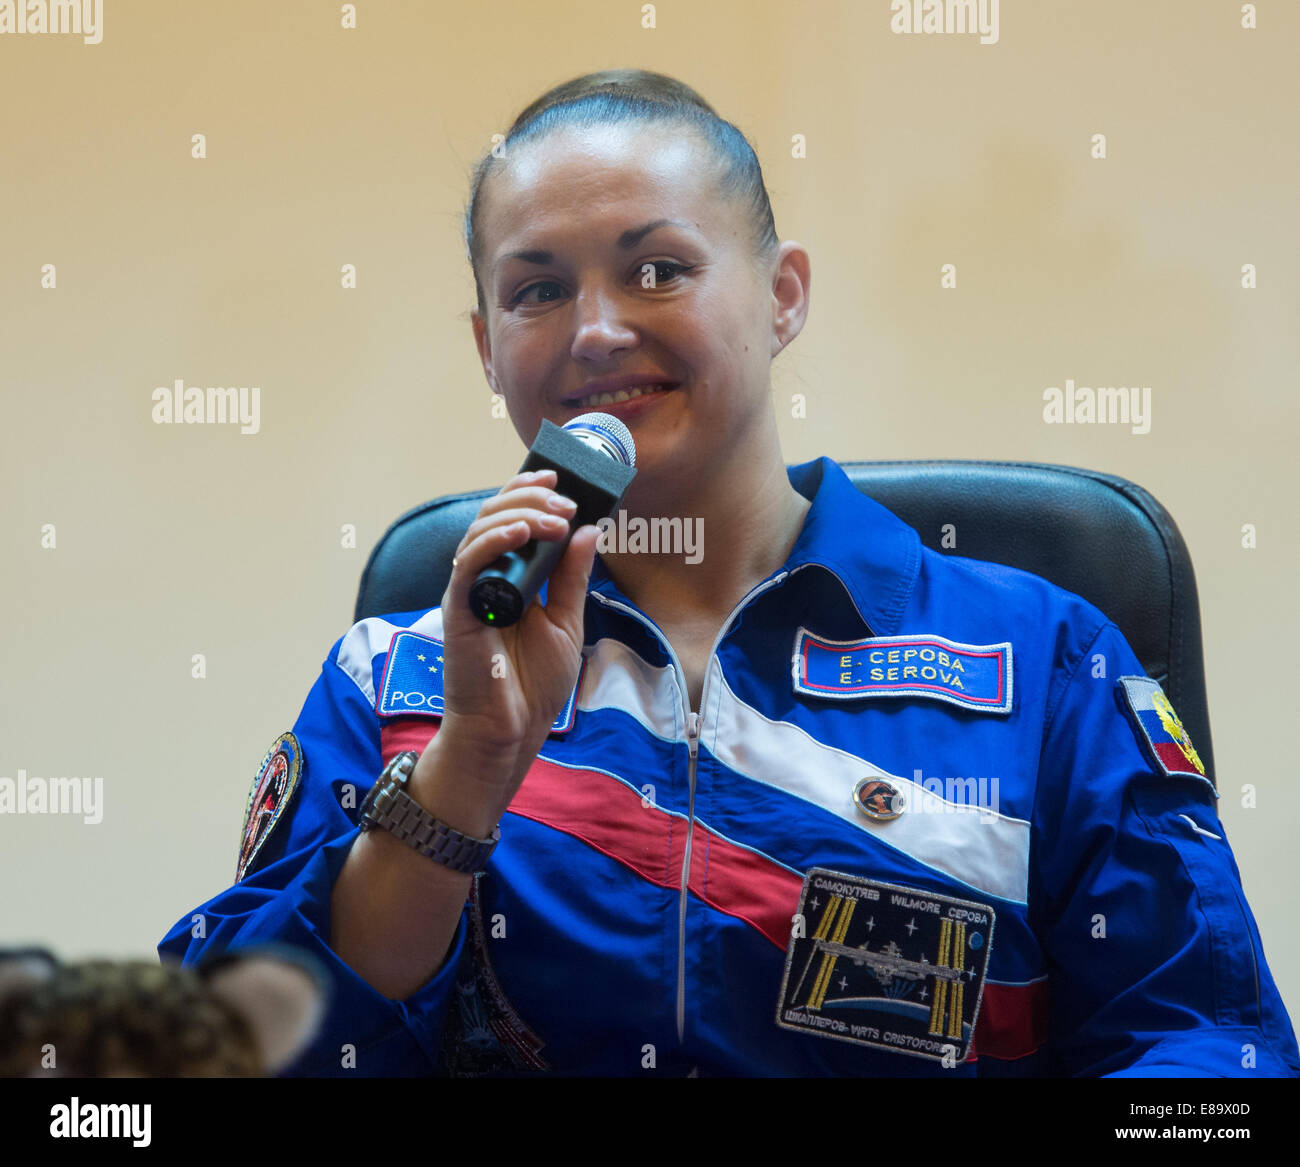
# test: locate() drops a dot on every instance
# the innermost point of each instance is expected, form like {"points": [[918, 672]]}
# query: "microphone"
{"points": [[594, 460]]}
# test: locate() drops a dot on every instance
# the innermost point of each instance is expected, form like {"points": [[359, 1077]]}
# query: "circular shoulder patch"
{"points": [[272, 789]]}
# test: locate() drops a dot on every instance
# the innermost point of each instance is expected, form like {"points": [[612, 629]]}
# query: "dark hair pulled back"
{"points": [[615, 96]]}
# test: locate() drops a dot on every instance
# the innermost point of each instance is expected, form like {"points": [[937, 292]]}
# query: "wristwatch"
{"points": [[388, 805]]}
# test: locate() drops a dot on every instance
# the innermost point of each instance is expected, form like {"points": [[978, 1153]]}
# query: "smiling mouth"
{"points": [[598, 399]]}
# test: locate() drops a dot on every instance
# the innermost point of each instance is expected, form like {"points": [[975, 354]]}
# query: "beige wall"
{"points": [[327, 147]]}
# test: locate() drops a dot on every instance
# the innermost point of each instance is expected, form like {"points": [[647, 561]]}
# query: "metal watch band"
{"points": [[388, 805]]}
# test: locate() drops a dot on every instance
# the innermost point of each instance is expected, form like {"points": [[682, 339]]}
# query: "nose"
{"points": [[600, 326]]}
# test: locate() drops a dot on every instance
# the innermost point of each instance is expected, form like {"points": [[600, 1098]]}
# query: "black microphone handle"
{"points": [[596, 482], [506, 587]]}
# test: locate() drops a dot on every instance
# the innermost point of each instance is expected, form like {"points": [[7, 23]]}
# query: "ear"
{"points": [[484, 345], [791, 281], [280, 993], [23, 968]]}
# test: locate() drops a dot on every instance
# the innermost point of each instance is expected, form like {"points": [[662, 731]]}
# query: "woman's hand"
{"points": [[504, 687]]}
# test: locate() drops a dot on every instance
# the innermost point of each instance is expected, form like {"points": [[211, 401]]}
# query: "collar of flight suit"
{"points": [[873, 554]]}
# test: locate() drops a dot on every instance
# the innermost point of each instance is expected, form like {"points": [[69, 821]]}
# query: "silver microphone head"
{"points": [[604, 432]]}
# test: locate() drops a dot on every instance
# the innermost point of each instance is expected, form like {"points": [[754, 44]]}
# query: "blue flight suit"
{"points": [[931, 819]]}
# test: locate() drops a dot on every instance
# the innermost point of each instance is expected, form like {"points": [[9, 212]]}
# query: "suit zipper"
{"points": [[693, 746], [693, 723]]}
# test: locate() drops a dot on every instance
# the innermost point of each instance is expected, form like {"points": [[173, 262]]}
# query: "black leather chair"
{"points": [[1097, 535]]}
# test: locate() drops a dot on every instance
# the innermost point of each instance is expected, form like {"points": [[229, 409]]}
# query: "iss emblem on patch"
{"points": [[883, 965], [272, 789]]}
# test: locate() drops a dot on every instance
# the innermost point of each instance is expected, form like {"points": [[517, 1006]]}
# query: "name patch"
{"points": [[974, 676], [884, 965], [412, 682]]}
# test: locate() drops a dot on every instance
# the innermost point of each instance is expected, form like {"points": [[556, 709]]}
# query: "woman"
{"points": [[718, 862]]}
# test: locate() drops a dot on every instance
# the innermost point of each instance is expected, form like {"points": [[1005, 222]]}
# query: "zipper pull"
{"points": [[693, 733]]}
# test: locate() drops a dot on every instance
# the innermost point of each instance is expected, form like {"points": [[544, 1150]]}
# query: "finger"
{"points": [[530, 478], [475, 556], [539, 498], [566, 593], [542, 524]]}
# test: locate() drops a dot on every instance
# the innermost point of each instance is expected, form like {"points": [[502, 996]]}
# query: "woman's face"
{"points": [[575, 309]]}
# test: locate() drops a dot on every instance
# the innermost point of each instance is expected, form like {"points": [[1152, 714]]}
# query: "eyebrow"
{"points": [[626, 241]]}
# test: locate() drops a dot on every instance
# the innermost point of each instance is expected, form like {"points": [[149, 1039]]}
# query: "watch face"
{"points": [[394, 775], [374, 794], [399, 770], [387, 805]]}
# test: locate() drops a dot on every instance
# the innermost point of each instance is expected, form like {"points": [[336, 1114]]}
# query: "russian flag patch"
{"points": [[1160, 730], [412, 682], [974, 676]]}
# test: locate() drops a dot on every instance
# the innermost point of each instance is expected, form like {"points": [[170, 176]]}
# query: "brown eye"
{"points": [[672, 269], [536, 284], [676, 269]]}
